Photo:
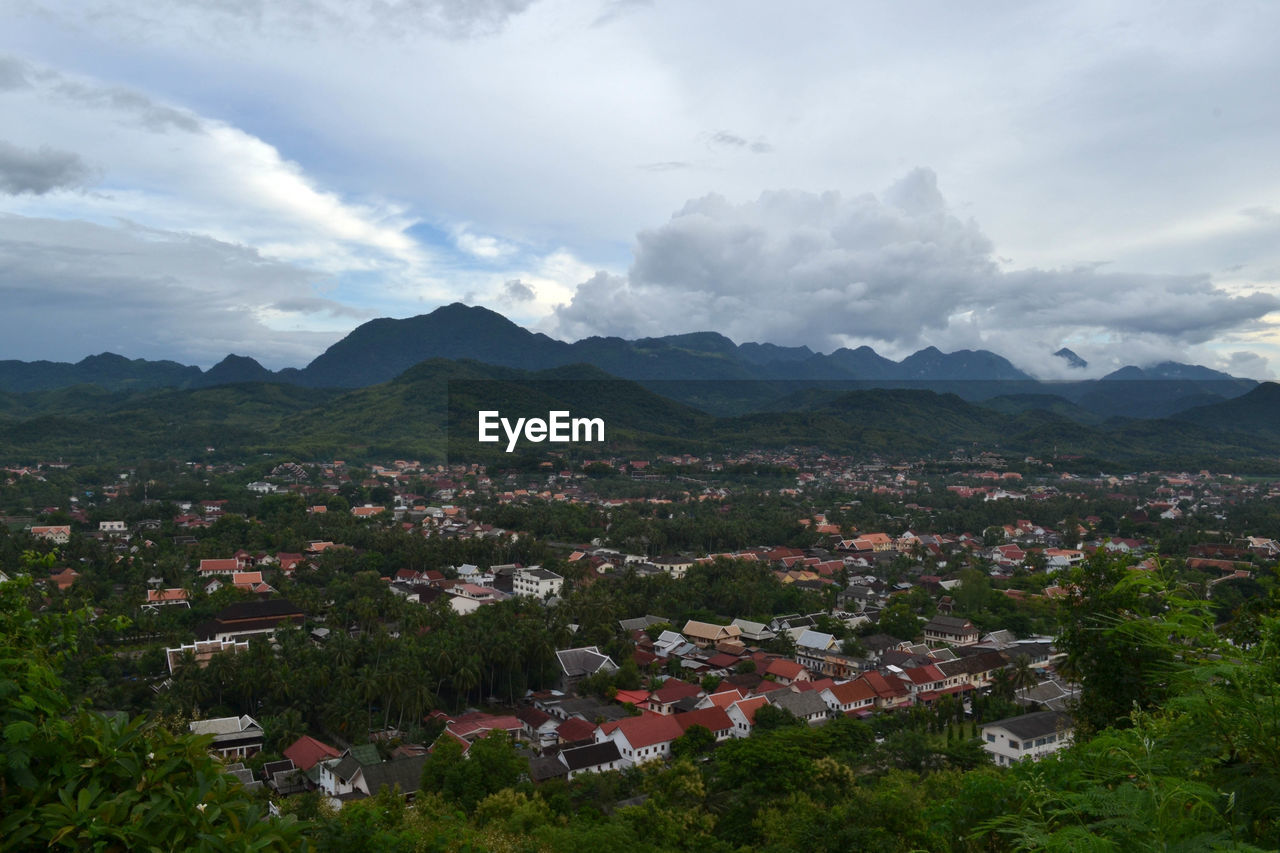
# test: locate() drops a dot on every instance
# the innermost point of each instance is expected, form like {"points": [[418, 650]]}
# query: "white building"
{"points": [[536, 582], [1029, 736]]}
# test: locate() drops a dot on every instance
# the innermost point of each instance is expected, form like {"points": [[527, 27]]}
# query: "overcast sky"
{"points": [[188, 178]]}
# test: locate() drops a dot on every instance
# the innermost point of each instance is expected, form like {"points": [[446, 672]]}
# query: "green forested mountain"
{"points": [[702, 369], [431, 410]]}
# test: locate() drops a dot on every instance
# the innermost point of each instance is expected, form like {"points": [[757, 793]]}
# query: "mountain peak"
{"points": [[1071, 358]]}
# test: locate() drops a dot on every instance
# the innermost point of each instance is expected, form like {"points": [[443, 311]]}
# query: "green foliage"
{"points": [[491, 765], [79, 779]]}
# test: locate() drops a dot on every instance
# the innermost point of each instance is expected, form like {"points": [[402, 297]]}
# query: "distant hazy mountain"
{"points": [[1167, 371], [964, 365], [235, 369], [430, 409], [380, 350], [108, 370], [1071, 358]]}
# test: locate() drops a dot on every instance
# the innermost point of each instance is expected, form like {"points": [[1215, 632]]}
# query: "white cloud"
{"points": [[71, 288], [898, 272]]}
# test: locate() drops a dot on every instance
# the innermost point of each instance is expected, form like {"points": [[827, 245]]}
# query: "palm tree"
{"points": [[1021, 674]]}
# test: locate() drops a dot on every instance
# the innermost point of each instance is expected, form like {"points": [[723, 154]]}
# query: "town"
{"points": [[337, 630]]}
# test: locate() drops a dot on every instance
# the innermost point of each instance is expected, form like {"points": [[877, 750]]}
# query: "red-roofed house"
{"points": [[663, 700], [641, 739], [228, 566], [723, 699], [475, 725], [306, 751], [786, 671], [713, 719], [743, 714], [851, 697], [890, 692], [575, 730], [59, 534], [157, 598]]}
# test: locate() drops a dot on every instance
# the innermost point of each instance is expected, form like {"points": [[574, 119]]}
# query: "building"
{"points": [[57, 534], [951, 630], [238, 737], [705, 634], [536, 582], [247, 618], [641, 739], [1029, 736], [203, 652], [157, 598]]}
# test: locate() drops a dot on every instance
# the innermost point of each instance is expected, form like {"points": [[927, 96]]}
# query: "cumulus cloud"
{"points": [[897, 271], [38, 171], [71, 288]]}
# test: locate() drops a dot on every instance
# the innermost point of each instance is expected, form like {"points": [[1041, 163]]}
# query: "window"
{"points": [[991, 738]]}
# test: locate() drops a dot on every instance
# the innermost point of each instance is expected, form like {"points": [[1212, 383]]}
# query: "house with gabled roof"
{"points": [[240, 737], [157, 598], [337, 775], [952, 630], [890, 693], [754, 632], [575, 730], [1028, 736], [592, 758], [403, 774], [855, 698], [807, 706], [786, 671], [929, 682], [743, 714], [713, 719], [705, 634], [59, 534], [641, 739], [538, 727], [306, 752], [816, 640], [583, 661], [673, 690]]}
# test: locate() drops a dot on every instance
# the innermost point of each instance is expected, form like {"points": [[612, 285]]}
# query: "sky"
{"points": [[191, 178]]}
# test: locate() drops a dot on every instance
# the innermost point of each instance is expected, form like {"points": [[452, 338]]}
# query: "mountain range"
{"points": [[692, 368], [429, 411]]}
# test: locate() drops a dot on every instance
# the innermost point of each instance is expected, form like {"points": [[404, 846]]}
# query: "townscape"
{"points": [[621, 637]]}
